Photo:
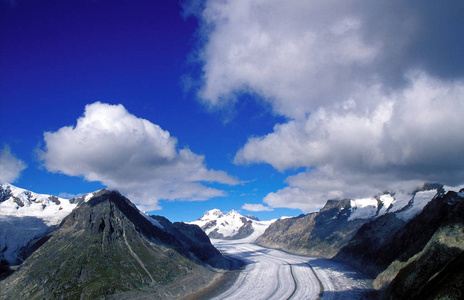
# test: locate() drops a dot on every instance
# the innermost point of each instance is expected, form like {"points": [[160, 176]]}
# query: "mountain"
{"points": [[26, 216], [107, 248], [412, 245], [416, 260], [231, 226]]}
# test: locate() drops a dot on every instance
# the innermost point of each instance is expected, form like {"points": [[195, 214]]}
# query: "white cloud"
{"points": [[412, 137], [300, 55], [10, 166], [256, 207], [132, 155], [372, 91]]}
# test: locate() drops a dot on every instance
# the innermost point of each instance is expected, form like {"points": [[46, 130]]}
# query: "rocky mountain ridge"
{"points": [[323, 233]]}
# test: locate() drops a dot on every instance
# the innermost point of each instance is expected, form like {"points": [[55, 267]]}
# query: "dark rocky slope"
{"points": [[106, 247], [316, 234], [429, 267]]}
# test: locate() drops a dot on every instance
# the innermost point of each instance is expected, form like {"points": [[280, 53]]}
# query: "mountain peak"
{"points": [[232, 225]]}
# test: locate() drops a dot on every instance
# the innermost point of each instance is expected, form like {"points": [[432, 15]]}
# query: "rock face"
{"points": [[230, 226], [317, 234], [107, 247]]}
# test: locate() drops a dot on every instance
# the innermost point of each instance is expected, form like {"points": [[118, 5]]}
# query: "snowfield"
{"points": [[274, 274]]}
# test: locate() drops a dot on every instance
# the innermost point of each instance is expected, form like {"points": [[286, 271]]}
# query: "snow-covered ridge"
{"points": [[26, 216], [406, 206], [19, 202], [232, 225]]}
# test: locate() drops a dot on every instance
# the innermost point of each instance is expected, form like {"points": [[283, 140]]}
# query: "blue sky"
{"points": [[194, 105]]}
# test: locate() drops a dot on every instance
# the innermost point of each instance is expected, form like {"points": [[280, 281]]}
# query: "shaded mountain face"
{"points": [[317, 234], [427, 253], [231, 226], [106, 247]]}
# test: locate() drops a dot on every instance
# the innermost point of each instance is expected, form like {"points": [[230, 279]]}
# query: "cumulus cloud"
{"points": [[256, 207], [10, 166], [411, 137], [372, 91], [132, 155], [300, 55]]}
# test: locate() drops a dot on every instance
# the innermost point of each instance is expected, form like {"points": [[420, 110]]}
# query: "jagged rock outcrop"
{"points": [[107, 247]]}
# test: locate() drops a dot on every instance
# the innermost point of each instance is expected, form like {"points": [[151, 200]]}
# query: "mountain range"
{"points": [[411, 244], [105, 247], [231, 226], [101, 246]]}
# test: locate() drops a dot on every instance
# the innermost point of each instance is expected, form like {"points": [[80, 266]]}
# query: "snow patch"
{"points": [[387, 200], [363, 208], [151, 220], [454, 189], [89, 196], [419, 201], [400, 202]]}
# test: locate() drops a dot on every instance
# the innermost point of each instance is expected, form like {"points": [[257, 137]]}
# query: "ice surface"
{"points": [[273, 274]]}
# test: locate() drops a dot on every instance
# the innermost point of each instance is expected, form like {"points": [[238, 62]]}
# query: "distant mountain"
{"points": [[106, 246], [26, 216], [412, 244], [231, 226]]}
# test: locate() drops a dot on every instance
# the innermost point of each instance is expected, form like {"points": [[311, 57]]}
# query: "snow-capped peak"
{"points": [[232, 225]]}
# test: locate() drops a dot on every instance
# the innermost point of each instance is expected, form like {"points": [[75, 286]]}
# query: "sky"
{"points": [[267, 107]]}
